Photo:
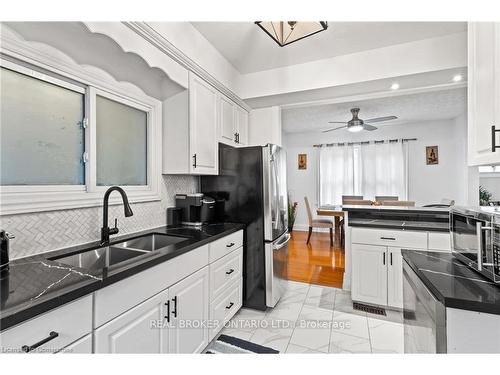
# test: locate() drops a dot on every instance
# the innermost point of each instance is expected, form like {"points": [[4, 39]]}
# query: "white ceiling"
{"points": [[437, 105], [249, 49]]}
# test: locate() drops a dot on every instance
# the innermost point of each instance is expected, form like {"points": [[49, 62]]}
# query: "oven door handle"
{"points": [[282, 243]]}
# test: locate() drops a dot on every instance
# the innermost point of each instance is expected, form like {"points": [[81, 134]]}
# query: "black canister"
{"points": [[174, 216], [4, 252]]}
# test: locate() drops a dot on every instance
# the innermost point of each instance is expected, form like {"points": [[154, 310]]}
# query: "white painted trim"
{"points": [[24, 199], [152, 36]]}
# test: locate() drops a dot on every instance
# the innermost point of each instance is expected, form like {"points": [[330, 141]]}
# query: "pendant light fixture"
{"points": [[286, 32]]}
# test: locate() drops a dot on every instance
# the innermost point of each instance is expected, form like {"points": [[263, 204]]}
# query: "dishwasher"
{"points": [[424, 316]]}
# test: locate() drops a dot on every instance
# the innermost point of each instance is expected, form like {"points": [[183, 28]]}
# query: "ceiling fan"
{"points": [[356, 124]]}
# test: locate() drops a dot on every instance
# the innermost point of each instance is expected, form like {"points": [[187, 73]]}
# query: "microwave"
{"points": [[475, 236]]}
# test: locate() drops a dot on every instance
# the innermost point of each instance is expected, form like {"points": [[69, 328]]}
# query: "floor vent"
{"points": [[368, 308]]}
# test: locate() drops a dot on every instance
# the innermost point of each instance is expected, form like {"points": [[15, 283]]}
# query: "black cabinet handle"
{"points": [[238, 134], [174, 310], [236, 137], [383, 260], [230, 244], [388, 238], [229, 272], [29, 348], [493, 139], [391, 259], [230, 305], [194, 160], [168, 311]]}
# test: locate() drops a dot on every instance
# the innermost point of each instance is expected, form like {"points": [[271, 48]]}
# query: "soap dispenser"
{"points": [[4, 253]]}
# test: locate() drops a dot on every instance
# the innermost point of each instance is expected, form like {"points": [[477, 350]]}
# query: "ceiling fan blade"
{"points": [[380, 119], [369, 127], [337, 122], [332, 129]]}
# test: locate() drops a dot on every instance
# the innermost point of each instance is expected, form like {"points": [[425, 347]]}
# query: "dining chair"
{"points": [[381, 198], [351, 197], [317, 223], [357, 202], [398, 203]]}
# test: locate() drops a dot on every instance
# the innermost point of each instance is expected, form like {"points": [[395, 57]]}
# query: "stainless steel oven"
{"points": [[476, 239]]}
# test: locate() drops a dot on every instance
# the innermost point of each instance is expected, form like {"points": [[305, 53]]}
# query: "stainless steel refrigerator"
{"points": [[252, 185]]}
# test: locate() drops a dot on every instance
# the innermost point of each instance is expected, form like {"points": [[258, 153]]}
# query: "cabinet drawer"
{"points": [[117, 298], [224, 307], [69, 322], [225, 271], [225, 245], [82, 346], [397, 238], [439, 241]]}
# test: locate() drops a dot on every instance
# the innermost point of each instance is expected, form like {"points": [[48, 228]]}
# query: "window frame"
{"points": [[17, 199]]}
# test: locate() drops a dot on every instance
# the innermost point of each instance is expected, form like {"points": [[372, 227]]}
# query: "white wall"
{"points": [[427, 183], [265, 126]]}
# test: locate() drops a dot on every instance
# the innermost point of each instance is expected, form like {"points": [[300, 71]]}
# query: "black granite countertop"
{"points": [[428, 226], [36, 284], [453, 283]]}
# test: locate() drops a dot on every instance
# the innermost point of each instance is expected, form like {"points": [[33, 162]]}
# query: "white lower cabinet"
{"points": [[395, 277], [142, 329], [369, 274], [189, 302], [82, 346], [377, 275]]}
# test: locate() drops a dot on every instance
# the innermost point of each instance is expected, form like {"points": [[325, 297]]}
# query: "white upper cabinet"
{"points": [[227, 124], [203, 117], [484, 93], [233, 123], [242, 126]]}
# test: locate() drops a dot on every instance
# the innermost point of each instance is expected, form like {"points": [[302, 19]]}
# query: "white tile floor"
{"points": [[315, 319]]}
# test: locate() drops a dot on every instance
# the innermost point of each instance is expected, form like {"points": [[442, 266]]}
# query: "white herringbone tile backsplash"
{"points": [[43, 231]]}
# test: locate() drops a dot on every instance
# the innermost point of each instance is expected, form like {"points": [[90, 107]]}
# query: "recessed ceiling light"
{"points": [[457, 78], [395, 86]]}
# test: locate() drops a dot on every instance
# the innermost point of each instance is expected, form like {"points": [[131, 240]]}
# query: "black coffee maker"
{"points": [[197, 209]]}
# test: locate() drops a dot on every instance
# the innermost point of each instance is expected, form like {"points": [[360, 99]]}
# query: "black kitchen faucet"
{"points": [[106, 231]]}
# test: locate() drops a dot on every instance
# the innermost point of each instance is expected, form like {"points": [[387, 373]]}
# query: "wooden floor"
{"points": [[316, 263]]}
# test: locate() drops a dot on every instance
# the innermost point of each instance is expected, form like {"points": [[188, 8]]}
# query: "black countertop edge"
{"points": [[19, 313], [429, 228], [402, 209], [453, 302]]}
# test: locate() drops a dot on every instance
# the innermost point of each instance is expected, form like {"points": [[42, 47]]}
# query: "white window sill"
{"points": [[24, 202]]}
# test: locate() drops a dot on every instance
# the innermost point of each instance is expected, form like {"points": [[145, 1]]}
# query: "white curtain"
{"points": [[336, 174], [367, 170], [382, 170]]}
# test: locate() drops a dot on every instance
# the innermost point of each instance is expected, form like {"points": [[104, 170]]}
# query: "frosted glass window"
{"points": [[41, 134], [121, 144]]}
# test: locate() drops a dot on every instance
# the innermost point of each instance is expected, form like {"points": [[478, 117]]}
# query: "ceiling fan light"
{"points": [[355, 128], [286, 32]]}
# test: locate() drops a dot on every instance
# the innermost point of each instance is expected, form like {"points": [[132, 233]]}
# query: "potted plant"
{"points": [[484, 196], [292, 214]]}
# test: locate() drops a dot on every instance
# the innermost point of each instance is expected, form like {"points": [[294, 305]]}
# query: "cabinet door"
{"points": [[142, 329], [242, 121], [227, 123], [189, 304], [369, 274], [483, 91], [395, 277], [203, 118]]}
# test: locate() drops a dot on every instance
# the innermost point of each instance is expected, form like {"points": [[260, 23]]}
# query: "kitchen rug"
{"points": [[232, 345]]}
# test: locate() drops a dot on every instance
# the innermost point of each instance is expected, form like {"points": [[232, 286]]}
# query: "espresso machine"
{"points": [[196, 208]]}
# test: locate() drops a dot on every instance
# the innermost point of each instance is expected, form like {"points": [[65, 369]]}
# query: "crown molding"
{"points": [[156, 39]]}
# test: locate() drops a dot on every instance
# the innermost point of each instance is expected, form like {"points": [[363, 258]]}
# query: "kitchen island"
{"points": [[374, 239]]}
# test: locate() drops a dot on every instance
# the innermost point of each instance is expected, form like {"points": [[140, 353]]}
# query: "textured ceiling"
{"points": [[437, 105], [249, 49]]}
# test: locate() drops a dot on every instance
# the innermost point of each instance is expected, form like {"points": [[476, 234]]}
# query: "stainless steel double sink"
{"points": [[119, 252]]}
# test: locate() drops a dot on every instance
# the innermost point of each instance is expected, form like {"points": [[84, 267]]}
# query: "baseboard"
{"points": [[305, 228]]}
